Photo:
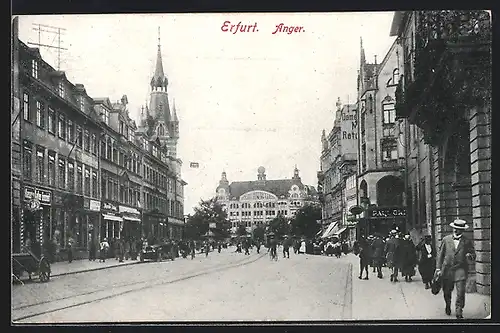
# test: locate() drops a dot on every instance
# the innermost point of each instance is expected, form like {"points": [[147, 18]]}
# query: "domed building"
{"points": [[256, 202]]}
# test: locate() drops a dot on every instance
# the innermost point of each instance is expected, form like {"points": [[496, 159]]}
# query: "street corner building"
{"points": [[256, 202], [81, 167], [423, 143]]}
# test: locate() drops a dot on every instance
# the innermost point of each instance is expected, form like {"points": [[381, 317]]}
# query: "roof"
{"points": [[278, 187], [397, 19]]}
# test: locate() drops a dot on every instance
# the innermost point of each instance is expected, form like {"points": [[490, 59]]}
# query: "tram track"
{"points": [[58, 304]]}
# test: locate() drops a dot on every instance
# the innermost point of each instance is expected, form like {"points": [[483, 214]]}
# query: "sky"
{"points": [[244, 99]]}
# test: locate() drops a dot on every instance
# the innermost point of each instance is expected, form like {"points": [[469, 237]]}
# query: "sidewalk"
{"points": [[380, 299], [84, 265]]}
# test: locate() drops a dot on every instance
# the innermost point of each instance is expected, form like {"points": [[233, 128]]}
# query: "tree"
{"points": [[209, 212], [241, 231], [258, 233], [304, 223], [279, 225]]}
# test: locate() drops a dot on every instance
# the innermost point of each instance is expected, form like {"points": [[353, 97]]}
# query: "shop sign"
{"points": [[43, 196], [109, 206], [387, 212], [130, 210], [95, 205]]}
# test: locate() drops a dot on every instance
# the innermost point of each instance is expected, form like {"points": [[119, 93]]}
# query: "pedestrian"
{"points": [[392, 251], [426, 260], [257, 246], [364, 257], [378, 255], [103, 249], [207, 248], [127, 248], [92, 248], [408, 258], [70, 249], [302, 248], [121, 249], [452, 264], [286, 248], [246, 246], [273, 246], [133, 249], [219, 246]]}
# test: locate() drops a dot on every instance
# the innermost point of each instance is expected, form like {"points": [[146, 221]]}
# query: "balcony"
{"points": [[450, 72]]}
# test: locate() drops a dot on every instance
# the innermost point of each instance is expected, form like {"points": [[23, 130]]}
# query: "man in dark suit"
{"points": [[452, 263]]}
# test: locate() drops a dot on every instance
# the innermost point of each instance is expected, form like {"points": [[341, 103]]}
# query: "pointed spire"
{"points": [[159, 79], [296, 172], [174, 112], [362, 50]]}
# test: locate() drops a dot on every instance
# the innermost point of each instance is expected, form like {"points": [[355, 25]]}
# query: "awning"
{"points": [[341, 231], [112, 218], [328, 232], [130, 218]]}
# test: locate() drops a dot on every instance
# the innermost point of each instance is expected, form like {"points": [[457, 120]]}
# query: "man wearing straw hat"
{"points": [[452, 263]]}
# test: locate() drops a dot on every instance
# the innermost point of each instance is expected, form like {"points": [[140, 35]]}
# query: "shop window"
{"points": [[27, 159]]}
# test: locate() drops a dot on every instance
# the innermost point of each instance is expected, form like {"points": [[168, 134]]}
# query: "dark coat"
{"points": [[408, 257], [378, 249], [426, 264], [393, 252]]}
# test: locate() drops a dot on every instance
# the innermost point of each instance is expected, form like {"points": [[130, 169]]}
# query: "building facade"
{"points": [[380, 145], [338, 161], [445, 94], [81, 168], [256, 202]]}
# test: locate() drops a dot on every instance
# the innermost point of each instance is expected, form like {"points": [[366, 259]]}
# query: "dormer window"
{"points": [[105, 115], [61, 90], [395, 76], [34, 68]]}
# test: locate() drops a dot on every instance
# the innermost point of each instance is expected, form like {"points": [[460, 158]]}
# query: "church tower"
{"points": [[160, 122]]}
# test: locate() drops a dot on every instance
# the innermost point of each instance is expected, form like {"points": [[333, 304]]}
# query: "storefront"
{"points": [[36, 215], [131, 222], [92, 217], [155, 225], [382, 220], [111, 221]]}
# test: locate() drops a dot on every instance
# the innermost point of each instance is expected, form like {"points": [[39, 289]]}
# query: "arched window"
{"points": [[395, 76], [161, 130]]}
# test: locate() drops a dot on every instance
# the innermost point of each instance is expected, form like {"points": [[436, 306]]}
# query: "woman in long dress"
{"points": [[409, 258], [302, 248], [427, 260]]}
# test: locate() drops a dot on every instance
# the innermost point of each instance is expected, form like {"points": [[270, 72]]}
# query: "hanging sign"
{"points": [[387, 212]]}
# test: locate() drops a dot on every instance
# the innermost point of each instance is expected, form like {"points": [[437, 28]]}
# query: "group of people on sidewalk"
{"points": [[448, 266]]}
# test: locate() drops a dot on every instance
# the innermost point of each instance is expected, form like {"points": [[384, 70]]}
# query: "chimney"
{"points": [[375, 59]]}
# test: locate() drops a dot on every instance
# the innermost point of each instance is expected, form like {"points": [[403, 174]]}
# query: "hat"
{"points": [[393, 231], [459, 224], [407, 236]]}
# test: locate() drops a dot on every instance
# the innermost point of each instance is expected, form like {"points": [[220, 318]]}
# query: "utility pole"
{"points": [[52, 30]]}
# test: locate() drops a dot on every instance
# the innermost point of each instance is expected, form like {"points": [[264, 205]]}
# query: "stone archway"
{"points": [[390, 191]]}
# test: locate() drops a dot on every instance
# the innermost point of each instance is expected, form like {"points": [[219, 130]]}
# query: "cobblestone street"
{"points": [[231, 287]]}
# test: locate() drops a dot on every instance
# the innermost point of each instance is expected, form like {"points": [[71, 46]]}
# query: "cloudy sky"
{"points": [[244, 99]]}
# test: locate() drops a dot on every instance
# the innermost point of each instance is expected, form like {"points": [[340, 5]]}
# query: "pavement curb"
{"points": [[96, 269]]}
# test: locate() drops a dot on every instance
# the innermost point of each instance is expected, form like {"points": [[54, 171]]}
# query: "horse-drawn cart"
{"points": [[28, 262]]}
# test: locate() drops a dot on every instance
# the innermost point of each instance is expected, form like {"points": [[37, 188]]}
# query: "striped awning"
{"points": [[340, 231], [330, 230], [112, 218]]}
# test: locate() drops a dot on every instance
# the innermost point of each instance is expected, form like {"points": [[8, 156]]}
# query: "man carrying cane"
{"points": [[452, 264]]}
